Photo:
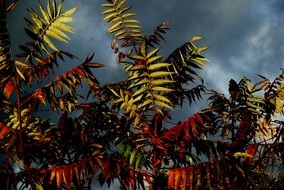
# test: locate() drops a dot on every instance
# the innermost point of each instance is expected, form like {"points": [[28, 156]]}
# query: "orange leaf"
{"points": [[59, 174], [52, 175], [171, 178], [189, 177], [183, 179], [68, 176], [9, 88], [177, 178]]}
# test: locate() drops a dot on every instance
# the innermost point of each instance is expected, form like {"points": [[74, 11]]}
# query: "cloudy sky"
{"points": [[245, 36]]}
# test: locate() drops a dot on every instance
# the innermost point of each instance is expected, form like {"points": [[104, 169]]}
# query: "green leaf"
{"points": [[139, 161], [132, 157]]}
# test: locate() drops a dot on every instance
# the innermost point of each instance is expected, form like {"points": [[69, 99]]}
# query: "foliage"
{"points": [[126, 133]]}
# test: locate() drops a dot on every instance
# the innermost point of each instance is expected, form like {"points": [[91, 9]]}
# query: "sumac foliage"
{"points": [[126, 135]]}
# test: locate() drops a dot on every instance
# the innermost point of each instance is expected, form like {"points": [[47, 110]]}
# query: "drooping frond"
{"points": [[186, 130], [51, 24], [157, 36], [215, 174], [6, 63], [68, 82], [43, 67], [125, 29], [186, 59]]}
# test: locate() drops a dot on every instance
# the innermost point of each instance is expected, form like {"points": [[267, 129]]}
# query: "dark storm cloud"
{"points": [[245, 36]]}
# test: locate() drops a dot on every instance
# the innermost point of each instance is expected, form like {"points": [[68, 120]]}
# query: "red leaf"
{"points": [[77, 172], [199, 118], [9, 88], [193, 126], [251, 150], [92, 167], [4, 130], [121, 57], [40, 96], [83, 166]]}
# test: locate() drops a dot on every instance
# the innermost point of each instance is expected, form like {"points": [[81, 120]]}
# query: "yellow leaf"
{"points": [[162, 82], [163, 104], [70, 12], [49, 43], [195, 38], [21, 64], [158, 66], [127, 15], [131, 21], [145, 103], [44, 14], [143, 48], [152, 59], [160, 74], [115, 26], [121, 4], [278, 105], [242, 154], [64, 27], [109, 11], [53, 34], [141, 90], [162, 89], [162, 98], [20, 73], [48, 9], [107, 5], [153, 52]]}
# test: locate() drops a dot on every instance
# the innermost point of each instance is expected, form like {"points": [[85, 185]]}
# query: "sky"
{"points": [[245, 36]]}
